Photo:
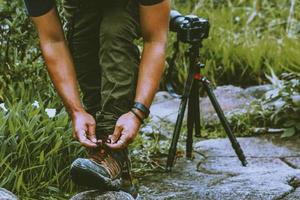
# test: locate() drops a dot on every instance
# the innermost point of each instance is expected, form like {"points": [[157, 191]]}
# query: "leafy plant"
{"points": [[282, 104], [279, 108]]}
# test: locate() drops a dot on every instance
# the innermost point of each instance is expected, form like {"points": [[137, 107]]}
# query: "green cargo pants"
{"points": [[101, 36]]}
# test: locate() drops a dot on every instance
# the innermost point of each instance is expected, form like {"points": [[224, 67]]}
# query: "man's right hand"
{"points": [[84, 126]]}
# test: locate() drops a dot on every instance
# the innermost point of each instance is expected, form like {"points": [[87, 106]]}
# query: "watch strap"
{"points": [[142, 108]]}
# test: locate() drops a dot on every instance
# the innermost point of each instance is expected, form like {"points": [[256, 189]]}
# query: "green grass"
{"points": [[36, 151], [240, 53]]}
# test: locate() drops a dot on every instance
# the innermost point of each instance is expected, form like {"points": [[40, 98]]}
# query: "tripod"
{"points": [[191, 96]]}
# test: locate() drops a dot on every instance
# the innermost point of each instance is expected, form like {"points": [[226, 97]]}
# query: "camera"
{"points": [[190, 28]]}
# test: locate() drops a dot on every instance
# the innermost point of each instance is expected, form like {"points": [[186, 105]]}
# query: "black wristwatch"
{"points": [[139, 106]]}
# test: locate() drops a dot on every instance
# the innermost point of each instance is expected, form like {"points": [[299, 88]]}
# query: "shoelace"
{"points": [[103, 158]]}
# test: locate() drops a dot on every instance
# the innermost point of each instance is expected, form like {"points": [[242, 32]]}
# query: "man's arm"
{"points": [[61, 70], [154, 25]]}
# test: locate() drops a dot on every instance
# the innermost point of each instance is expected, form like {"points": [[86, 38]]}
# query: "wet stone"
{"points": [[293, 196], [6, 195], [258, 91], [165, 110], [293, 162], [97, 195], [217, 174], [232, 99], [253, 147], [231, 165]]}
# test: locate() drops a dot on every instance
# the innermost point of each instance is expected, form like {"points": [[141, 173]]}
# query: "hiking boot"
{"points": [[101, 171]]}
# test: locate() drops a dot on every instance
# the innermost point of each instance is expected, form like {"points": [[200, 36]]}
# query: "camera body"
{"points": [[190, 28]]}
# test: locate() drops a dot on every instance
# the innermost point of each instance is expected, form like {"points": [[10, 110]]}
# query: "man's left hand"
{"points": [[126, 130]]}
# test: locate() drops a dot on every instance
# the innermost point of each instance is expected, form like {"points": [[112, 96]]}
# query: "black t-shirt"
{"points": [[37, 8]]}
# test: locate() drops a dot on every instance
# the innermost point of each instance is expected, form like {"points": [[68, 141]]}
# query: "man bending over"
{"points": [[118, 85]]}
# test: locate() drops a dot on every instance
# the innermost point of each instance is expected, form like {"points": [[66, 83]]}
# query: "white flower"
{"points": [[3, 107], [36, 104], [50, 112]]}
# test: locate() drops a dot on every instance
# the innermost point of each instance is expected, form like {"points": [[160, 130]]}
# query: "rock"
{"points": [[164, 110], [233, 100], [161, 130], [162, 96], [252, 146], [183, 183], [217, 174], [293, 196], [293, 162], [266, 176], [7, 195], [97, 195], [258, 91]]}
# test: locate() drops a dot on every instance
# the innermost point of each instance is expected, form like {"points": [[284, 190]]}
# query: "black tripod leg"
{"points": [[190, 124], [232, 138], [197, 111], [182, 107], [173, 147]]}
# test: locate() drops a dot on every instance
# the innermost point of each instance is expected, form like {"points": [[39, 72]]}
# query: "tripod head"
{"points": [[192, 30], [189, 28]]}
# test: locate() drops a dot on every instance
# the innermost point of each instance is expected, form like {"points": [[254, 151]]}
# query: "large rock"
{"points": [[253, 147], [258, 91], [216, 173], [164, 107], [97, 195], [6, 195], [267, 176], [232, 100]]}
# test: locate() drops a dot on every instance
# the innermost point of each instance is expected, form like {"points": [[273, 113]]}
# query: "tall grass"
{"points": [[243, 45], [36, 151]]}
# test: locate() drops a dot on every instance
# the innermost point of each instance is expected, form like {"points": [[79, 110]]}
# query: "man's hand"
{"points": [[126, 130], [84, 127]]}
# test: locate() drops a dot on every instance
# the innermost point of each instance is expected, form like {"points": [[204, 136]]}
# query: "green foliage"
{"points": [[245, 39], [149, 147], [33, 161], [279, 108], [36, 151], [22, 70]]}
